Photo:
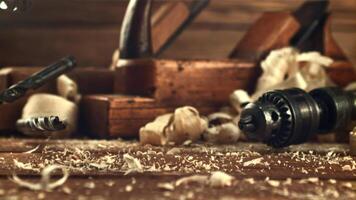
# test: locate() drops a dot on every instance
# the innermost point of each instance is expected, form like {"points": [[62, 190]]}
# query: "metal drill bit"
{"points": [[38, 79], [40, 125]]}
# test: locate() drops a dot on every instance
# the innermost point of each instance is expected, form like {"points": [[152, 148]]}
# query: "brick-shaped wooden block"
{"points": [[183, 81], [109, 116]]}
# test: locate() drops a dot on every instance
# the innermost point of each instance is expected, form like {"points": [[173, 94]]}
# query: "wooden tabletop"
{"points": [[99, 171]]}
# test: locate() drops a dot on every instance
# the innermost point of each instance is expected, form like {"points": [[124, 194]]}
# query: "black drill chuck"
{"points": [[280, 118]]}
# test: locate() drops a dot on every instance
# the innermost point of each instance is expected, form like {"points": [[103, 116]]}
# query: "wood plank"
{"points": [[147, 187], [182, 81], [40, 46]]}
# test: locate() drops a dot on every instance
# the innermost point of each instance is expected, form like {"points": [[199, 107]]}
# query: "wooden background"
{"points": [[89, 29]]}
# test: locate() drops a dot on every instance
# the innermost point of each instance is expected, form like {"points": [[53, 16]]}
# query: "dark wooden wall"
{"points": [[89, 29]]}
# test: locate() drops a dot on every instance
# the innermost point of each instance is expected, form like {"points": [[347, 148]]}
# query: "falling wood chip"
{"points": [[132, 164]]}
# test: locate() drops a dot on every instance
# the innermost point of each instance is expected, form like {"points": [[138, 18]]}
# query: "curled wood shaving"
{"points": [[32, 150], [132, 164], [285, 68], [183, 125], [45, 182]]}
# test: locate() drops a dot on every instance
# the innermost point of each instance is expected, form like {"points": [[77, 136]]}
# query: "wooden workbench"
{"points": [[97, 170]]}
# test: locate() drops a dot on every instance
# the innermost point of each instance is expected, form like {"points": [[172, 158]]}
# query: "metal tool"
{"points": [[135, 40], [40, 125], [38, 79], [280, 118], [135, 36], [311, 17]]}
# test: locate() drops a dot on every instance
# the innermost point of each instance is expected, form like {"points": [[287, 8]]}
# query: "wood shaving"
{"points": [[183, 125], [239, 98], [32, 150], [128, 188], [227, 133], [346, 168], [166, 186], [26, 166], [152, 133], [250, 180], [274, 183], [285, 68], [132, 164], [67, 190], [110, 183], [253, 162], [45, 183], [216, 179], [89, 185], [220, 179], [200, 179], [219, 118]]}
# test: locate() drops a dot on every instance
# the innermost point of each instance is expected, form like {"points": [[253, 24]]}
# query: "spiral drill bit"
{"points": [[281, 118], [40, 125], [38, 79]]}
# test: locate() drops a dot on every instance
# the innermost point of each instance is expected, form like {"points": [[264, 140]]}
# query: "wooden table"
{"points": [[97, 170]]}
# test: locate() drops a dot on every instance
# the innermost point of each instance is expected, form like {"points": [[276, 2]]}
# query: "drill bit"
{"points": [[38, 79], [40, 125]]}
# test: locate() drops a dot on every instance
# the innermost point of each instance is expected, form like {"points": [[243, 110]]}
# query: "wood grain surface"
{"points": [[97, 170]]}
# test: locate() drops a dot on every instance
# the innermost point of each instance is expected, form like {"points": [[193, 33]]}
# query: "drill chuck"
{"points": [[281, 118]]}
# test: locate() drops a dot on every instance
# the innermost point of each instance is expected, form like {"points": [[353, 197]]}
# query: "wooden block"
{"points": [[331, 48], [165, 22], [270, 31], [109, 116], [341, 72], [205, 81]]}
